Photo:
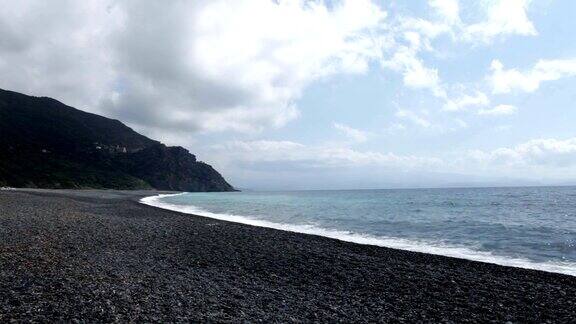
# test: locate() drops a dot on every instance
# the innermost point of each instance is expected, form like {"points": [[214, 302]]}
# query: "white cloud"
{"points": [[208, 66], [422, 120], [505, 81], [544, 158], [418, 76], [447, 20], [354, 134], [465, 101], [413, 117], [215, 65], [538, 159], [499, 110], [536, 152], [317, 156], [449, 10], [415, 73], [411, 36], [504, 17]]}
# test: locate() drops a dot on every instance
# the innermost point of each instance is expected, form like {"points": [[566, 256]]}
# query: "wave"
{"points": [[436, 248]]}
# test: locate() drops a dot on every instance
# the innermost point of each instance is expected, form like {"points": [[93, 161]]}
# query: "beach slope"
{"points": [[103, 256]]}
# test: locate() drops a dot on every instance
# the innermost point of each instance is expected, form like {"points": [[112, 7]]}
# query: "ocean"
{"points": [[528, 227]]}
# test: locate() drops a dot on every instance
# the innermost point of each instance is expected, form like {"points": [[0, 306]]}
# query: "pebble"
{"points": [[100, 256]]}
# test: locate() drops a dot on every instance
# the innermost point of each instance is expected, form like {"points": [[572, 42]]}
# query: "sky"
{"points": [[318, 94]]}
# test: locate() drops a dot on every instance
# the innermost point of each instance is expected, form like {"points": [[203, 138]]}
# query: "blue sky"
{"points": [[319, 94]]}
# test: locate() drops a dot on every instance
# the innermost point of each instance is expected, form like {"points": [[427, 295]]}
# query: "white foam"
{"points": [[437, 248]]}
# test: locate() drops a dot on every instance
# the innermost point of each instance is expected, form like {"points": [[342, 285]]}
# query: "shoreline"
{"points": [[102, 255], [385, 242]]}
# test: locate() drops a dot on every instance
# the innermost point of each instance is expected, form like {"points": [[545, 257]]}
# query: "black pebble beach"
{"points": [[100, 256]]}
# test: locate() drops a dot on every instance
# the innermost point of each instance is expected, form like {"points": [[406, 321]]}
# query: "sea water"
{"points": [[531, 227]]}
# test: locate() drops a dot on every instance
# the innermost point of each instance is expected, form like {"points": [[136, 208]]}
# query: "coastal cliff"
{"points": [[47, 144]]}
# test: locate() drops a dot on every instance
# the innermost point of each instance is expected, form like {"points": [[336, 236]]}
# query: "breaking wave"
{"points": [[437, 248]]}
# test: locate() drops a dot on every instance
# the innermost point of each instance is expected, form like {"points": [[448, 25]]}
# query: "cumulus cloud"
{"points": [[218, 65], [411, 38], [499, 110], [415, 73], [445, 20], [503, 17], [175, 68], [198, 65], [415, 35], [500, 19], [508, 80], [449, 10], [354, 134]]}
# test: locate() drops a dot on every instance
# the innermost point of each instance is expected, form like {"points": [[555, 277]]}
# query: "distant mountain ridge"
{"points": [[47, 144]]}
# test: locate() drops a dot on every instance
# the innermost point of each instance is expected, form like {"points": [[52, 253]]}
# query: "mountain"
{"points": [[46, 144]]}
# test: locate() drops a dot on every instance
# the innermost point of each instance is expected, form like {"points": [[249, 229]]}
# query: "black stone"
{"points": [[100, 256]]}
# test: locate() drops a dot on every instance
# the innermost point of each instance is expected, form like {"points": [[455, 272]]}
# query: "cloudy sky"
{"points": [[318, 94]]}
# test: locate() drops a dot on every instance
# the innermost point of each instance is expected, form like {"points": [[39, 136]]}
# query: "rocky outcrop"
{"points": [[46, 144], [174, 168]]}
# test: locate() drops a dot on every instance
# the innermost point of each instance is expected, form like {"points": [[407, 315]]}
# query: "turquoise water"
{"points": [[533, 227]]}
